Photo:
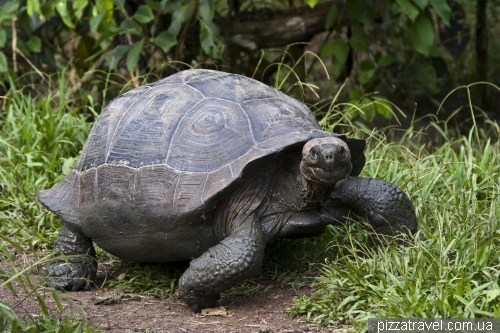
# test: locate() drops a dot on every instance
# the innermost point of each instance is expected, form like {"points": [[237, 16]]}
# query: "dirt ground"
{"points": [[112, 311]]}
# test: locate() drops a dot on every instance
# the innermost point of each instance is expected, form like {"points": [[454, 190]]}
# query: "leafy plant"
{"points": [[114, 31]]}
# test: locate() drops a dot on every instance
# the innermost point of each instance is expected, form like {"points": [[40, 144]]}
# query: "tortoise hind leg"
{"points": [[77, 267]]}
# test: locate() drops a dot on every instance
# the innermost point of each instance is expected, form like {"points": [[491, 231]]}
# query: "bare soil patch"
{"points": [[113, 311]]}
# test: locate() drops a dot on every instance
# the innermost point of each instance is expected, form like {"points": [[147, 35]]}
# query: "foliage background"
{"points": [[419, 49]]}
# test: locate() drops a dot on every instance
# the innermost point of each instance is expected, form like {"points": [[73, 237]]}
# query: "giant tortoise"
{"points": [[209, 167]]}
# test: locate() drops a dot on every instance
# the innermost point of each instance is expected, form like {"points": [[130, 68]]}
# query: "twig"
{"points": [[184, 32], [31, 64], [5, 98], [87, 75], [15, 51], [135, 73], [14, 43]]}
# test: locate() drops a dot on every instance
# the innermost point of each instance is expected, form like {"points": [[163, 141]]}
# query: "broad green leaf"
{"points": [[134, 54], [9, 7], [105, 6], [367, 71], [435, 52], [340, 51], [211, 42], [33, 6], [366, 65], [368, 109], [385, 60], [143, 14], [355, 95], [3, 63], [326, 50], [332, 17], [409, 9], [47, 9], [62, 9], [131, 26], [443, 10], [359, 40], [206, 10], [165, 40], [86, 47], [337, 68], [116, 55], [95, 21], [21, 45], [425, 74], [361, 10], [79, 6], [120, 4], [312, 3], [422, 33], [395, 9], [421, 3], [34, 44], [179, 16], [365, 76], [108, 33], [3, 38], [4, 17], [384, 107]]}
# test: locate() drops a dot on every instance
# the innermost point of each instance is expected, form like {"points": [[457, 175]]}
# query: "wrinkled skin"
{"points": [[78, 267], [297, 194]]}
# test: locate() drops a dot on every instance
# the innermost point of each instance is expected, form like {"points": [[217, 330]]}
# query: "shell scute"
{"points": [[189, 190], [156, 184], [88, 187], [116, 183], [275, 118], [210, 136], [143, 134], [231, 87]]}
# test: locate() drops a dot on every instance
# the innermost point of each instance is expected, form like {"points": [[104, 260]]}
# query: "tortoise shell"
{"points": [[181, 141]]}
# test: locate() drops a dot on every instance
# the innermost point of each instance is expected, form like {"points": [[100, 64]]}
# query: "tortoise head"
{"points": [[325, 161]]}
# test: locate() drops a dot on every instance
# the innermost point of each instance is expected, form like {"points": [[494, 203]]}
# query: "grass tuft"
{"points": [[451, 268]]}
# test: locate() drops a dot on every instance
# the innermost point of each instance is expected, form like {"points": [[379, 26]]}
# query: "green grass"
{"points": [[39, 140], [450, 269]]}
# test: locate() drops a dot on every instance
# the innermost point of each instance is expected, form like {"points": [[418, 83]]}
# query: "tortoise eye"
{"points": [[342, 152], [313, 154]]}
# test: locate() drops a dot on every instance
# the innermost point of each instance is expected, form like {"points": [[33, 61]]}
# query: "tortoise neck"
{"points": [[316, 192]]}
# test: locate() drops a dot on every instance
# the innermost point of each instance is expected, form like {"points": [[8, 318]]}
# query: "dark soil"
{"points": [[113, 311]]}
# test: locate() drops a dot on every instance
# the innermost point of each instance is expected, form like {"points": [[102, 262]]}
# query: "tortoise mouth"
{"points": [[325, 177]]}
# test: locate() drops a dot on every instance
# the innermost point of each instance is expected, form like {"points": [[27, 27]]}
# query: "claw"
{"points": [[71, 274]]}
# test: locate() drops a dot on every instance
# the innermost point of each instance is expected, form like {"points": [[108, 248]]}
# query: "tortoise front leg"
{"points": [[77, 267], [236, 258], [310, 223], [387, 207]]}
